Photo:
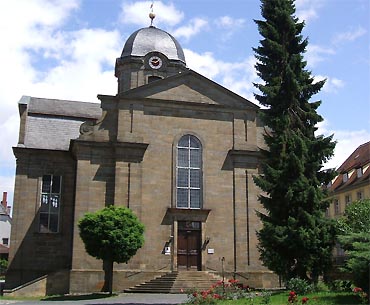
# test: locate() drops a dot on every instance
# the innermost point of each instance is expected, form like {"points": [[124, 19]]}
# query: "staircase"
{"points": [[177, 282]]}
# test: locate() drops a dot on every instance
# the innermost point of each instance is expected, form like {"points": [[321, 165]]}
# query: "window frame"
{"points": [[359, 172], [336, 207], [360, 195], [345, 177], [189, 168], [347, 199], [50, 195]]}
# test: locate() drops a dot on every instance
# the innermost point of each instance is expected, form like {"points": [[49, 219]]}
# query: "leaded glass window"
{"points": [[189, 173], [50, 204]]}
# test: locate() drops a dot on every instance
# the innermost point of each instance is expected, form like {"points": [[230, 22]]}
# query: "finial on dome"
{"points": [[151, 14]]}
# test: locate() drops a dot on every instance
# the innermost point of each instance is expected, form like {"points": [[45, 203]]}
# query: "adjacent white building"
{"points": [[5, 227]]}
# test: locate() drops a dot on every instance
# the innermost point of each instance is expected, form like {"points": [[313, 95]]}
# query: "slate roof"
{"points": [[51, 123], [150, 39]]}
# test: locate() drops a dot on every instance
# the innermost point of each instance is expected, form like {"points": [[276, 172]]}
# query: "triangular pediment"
{"points": [[190, 87]]}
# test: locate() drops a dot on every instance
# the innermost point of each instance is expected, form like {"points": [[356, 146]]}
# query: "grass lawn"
{"points": [[319, 298]]}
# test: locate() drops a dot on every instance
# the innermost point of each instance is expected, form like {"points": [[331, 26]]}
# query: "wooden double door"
{"points": [[189, 246]]}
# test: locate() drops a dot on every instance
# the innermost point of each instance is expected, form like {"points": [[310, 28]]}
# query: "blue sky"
{"points": [[66, 49]]}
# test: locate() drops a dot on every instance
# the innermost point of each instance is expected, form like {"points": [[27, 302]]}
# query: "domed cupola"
{"points": [[151, 39], [149, 54]]}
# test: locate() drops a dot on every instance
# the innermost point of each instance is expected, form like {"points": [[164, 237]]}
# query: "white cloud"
{"points": [[25, 30], [349, 36], [307, 10], [331, 85], [235, 76], [229, 22], [7, 185], [82, 64], [87, 53], [194, 27], [228, 26], [347, 142], [138, 13], [204, 64], [316, 54]]}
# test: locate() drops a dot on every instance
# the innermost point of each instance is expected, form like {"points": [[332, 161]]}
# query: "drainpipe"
{"points": [[234, 222], [234, 203]]}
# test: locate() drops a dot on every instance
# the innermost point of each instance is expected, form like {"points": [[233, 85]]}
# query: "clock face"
{"points": [[155, 62]]}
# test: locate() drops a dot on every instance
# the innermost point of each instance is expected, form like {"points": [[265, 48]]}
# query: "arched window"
{"points": [[189, 173]]}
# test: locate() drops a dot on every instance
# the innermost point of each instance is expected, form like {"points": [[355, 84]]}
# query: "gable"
{"points": [[190, 87]]}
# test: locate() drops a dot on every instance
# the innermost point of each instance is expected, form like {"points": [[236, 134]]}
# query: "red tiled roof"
{"points": [[358, 158], [4, 249]]}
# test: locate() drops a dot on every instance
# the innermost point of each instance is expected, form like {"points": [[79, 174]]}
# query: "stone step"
{"points": [[177, 282]]}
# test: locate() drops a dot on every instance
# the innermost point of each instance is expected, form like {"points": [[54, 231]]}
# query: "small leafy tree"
{"points": [[113, 234], [354, 236], [296, 238], [3, 266]]}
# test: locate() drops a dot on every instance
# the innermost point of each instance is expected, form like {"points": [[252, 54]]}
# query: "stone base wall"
{"points": [[89, 281], [255, 279], [53, 284], [86, 281]]}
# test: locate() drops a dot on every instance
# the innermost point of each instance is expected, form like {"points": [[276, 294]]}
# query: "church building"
{"points": [[175, 147]]}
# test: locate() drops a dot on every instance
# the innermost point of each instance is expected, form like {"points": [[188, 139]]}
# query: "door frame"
{"points": [[194, 229]]}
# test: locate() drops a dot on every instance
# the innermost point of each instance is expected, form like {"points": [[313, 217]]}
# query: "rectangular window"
{"points": [[5, 241], [336, 207], [360, 195], [359, 172], [345, 177], [50, 204], [348, 199]]}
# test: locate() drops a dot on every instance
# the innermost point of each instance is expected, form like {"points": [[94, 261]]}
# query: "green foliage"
{"points": [[320, 286], [300, 286], [113, 234], [354, 236], [316, 298], [356, 218], [296, 238], [3, 265], [229, 290], [340, 285]]}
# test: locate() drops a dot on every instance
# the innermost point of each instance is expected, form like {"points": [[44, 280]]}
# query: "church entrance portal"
{"points": [[189, 245]]}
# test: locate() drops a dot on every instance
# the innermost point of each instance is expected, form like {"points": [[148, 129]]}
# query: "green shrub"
{"points": [[3, 266], [321, 286], [299, 286], [340, 285]]}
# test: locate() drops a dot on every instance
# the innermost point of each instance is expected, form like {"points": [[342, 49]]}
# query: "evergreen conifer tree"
{"points": [[296, 239]]}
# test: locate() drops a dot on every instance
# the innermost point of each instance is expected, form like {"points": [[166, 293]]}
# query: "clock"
{"points": [[155, 62]]}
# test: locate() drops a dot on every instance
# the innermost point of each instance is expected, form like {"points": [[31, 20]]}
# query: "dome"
{"points": [[152, 39]]}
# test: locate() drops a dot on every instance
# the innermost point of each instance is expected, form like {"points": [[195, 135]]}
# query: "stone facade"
{"points": [[127, 155]]}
